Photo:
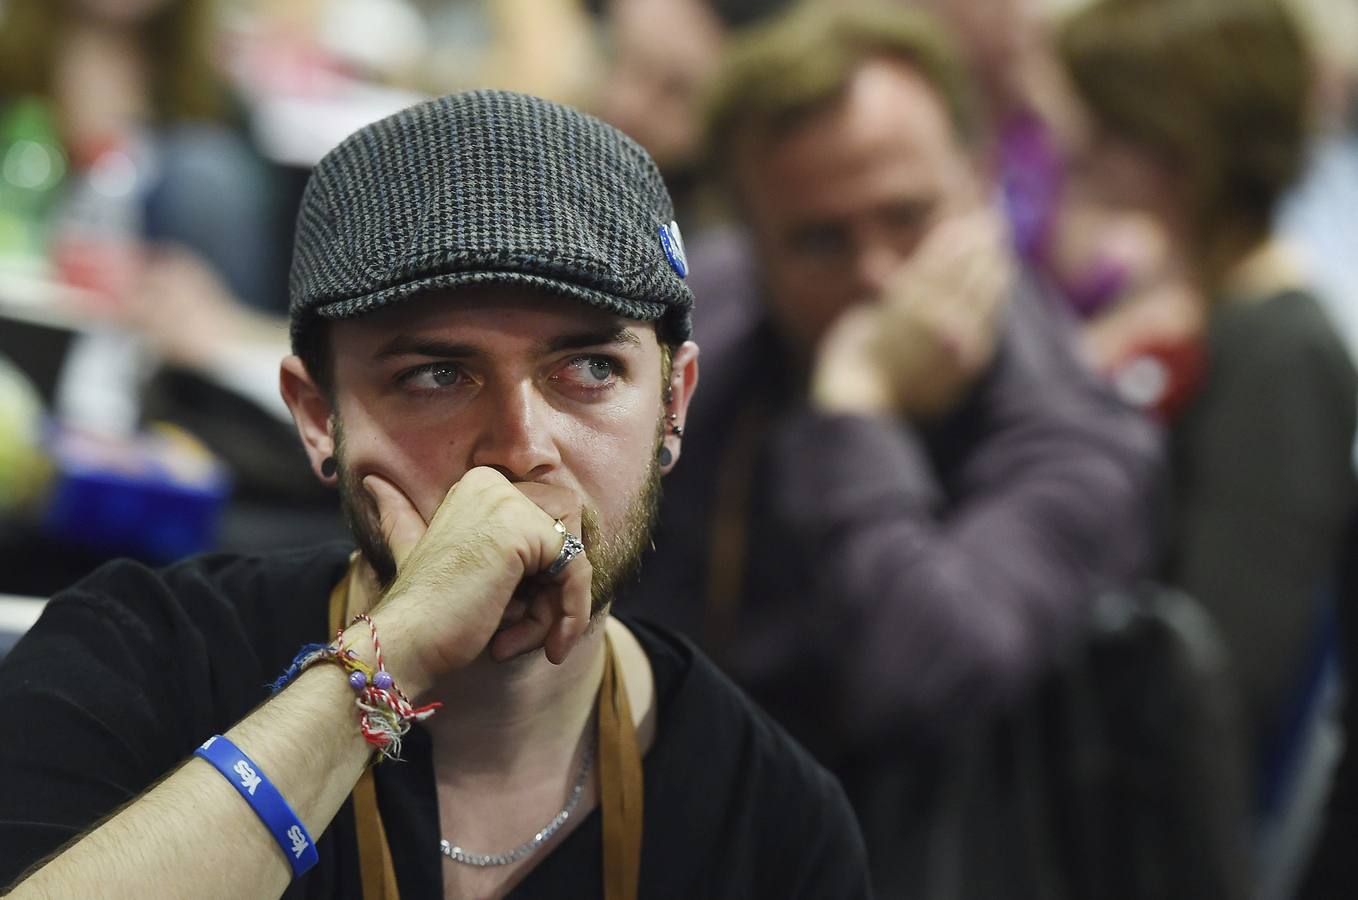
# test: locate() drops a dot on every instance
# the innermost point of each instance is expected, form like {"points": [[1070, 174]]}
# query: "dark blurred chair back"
{"points": [[1122, 778], [1332, 870]]}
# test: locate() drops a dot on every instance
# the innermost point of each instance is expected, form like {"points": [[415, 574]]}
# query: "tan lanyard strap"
{"points": [[376, 870], [619, 777], [731, 532], [620, 785]]}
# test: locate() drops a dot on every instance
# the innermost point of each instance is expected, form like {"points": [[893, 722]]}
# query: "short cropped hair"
{"points": [[802, 62], [1218, 89]]}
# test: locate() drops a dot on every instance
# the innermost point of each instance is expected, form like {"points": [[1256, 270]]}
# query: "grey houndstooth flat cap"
{"points": [[488, 187]]}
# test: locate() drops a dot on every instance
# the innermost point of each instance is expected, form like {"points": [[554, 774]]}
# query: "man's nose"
{"points": [[516, 434], [875, 261]]}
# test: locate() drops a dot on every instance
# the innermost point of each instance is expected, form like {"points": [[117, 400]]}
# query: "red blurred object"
{"points": [[97, 238], [107, 269], [1161, 377]]}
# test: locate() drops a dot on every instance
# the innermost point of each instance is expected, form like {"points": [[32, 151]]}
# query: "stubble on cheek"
{"points": [[616, 556], [362, 517]]}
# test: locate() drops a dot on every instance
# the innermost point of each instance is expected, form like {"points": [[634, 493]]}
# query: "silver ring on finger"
{"points": [[571, 547]]}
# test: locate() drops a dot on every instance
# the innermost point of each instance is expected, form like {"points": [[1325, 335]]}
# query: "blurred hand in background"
{"points": [[916, 350]]}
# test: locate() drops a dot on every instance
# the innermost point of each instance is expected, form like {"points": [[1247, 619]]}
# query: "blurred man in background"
{"points": [[904, 489]]}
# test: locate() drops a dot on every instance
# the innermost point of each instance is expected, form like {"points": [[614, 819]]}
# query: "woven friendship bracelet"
{"points": [[385, 712], [264, 799]]}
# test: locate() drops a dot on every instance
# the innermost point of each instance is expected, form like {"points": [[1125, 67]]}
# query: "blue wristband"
{"points": [[264, 799]]}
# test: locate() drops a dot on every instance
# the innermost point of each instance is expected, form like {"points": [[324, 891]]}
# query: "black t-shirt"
{"points": [[128, 671]]}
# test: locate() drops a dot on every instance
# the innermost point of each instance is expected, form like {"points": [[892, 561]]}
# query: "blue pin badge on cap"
{"points": [[673, 242]]}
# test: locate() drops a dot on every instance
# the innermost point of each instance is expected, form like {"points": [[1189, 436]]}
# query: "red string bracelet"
{"points": [[386, 712]]}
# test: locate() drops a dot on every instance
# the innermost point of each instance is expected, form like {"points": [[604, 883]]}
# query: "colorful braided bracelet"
{"points": [[385, 712]]}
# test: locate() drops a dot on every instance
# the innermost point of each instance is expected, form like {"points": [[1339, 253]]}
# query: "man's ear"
{"points": [[311, 413], [683, 381]]}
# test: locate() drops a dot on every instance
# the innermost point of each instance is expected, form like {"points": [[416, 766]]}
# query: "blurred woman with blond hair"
{"points": [[1200, 117]]}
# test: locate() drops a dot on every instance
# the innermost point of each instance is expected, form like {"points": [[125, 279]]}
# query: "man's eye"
{"points": [[433, 376], [444, 375], [819, 241], [911, 215], [589, 371], [600, 369]]}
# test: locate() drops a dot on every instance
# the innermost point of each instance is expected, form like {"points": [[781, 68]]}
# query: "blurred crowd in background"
{"points": [[1020, 486]]}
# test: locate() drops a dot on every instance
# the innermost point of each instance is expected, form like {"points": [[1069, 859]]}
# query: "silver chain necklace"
{"points": [[544, 835]]}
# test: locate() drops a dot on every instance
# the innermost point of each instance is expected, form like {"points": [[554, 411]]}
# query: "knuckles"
{"points": [[486, 535], [484, 519]]}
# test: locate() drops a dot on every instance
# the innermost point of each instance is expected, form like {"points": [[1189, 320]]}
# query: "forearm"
{"points": [[952, 619], [194, 835], [951, 605]]}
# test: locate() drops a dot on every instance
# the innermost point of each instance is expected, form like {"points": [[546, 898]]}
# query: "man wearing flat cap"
{"points": [[490, 324]]}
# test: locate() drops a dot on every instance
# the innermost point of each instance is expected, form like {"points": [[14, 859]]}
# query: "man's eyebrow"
{"points": [[406, 345], [603, 337]]}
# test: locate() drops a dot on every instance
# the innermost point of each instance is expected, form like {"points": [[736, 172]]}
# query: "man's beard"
{"points": [[615, 557]]}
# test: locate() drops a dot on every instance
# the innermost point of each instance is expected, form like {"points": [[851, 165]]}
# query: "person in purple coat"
{"points": [[901, 489]]}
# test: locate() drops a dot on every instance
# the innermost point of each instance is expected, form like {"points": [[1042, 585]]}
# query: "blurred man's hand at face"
{"points": [[840, 201], [917, 350]]}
